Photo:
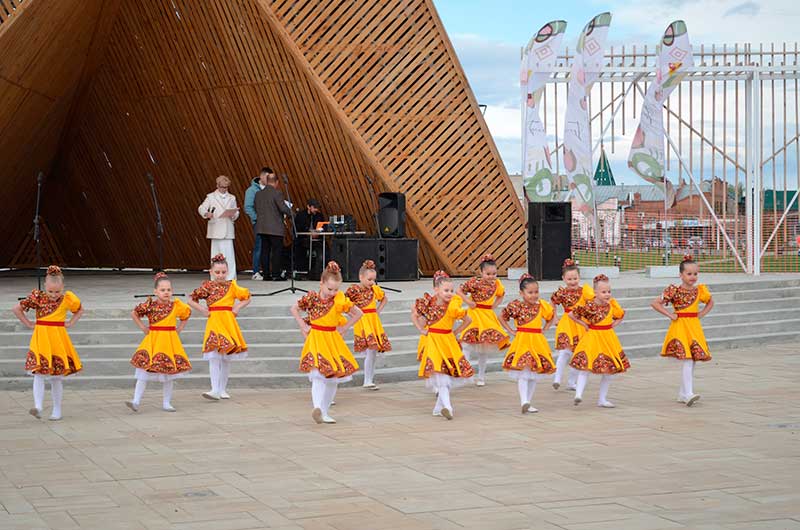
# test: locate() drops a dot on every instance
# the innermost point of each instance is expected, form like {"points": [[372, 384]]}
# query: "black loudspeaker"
{"points": [[549, 238], [392, 214], [395, 259]]}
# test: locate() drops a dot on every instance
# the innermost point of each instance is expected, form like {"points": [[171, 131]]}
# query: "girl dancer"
{"points": [[599, 350], [51, 355], [222, 341], [442, 362], [160, 355], [485, 335], [368, 333], [325, 356], [529, 353], [568, 333], [685, 339]]}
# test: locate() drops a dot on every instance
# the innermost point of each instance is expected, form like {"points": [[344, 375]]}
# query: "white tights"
{"points": [[605, 383], [323, 393], [526, 388], [141, 384], [687, 375], [471, 351], [443, 400], [369, 367], [56, 391], [564, 357], [219, 370]]}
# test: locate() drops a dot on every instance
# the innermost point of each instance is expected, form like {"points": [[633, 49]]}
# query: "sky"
{"points": [[488, 34]]}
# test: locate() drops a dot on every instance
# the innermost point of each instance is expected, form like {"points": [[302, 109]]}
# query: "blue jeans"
{"points": [[256, 252]]}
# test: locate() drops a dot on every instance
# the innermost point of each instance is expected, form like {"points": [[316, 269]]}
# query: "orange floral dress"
{"points": [[529, 353], [222, 338], [368, 332], [484, 328], [599, 350], [685, 338], [569, 332], [160, 356], [440, 353], [325, 353], [50, 351]]}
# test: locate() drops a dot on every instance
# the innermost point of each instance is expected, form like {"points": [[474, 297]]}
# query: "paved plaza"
{"points": [[258, 461]]}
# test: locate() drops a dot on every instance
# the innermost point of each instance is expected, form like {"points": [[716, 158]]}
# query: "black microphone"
{"points": [[368, 179], [150, 178], [285, 179], [40, 178]]}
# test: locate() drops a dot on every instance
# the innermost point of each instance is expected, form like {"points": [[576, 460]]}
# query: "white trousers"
{"points": [[322, 394], [482, 351], [56, 391], [443, 400], [687, 377], [605, 383], [526, 388], [219, 370], [225, 247], [141, 385], [564, 356], [369, 367]]}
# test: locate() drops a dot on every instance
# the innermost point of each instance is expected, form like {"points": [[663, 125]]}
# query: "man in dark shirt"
{"points": [[306, 221]]}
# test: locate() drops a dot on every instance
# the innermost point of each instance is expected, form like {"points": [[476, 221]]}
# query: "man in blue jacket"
{"points": [[256, 185]]}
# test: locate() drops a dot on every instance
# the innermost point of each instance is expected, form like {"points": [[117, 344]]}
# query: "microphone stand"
{"points": [[292, 289], [378, 224], [36, 233], [159, 226], [377, 207]]}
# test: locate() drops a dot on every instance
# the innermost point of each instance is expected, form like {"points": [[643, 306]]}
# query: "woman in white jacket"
{"points": [[219, 207]]}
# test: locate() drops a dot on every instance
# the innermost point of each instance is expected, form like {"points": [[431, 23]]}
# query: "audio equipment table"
{"points": [[323, 235]]}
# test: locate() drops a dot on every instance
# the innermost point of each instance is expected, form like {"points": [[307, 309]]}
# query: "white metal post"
{"points": [[757, 173], [748, 176]]}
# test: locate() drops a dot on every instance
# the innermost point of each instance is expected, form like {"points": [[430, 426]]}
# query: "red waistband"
{"points": [[483, 306], [440, 331], [529, 330], [686, 315], [50, 323], [323, 328], [220, 308], [568, 310], [162, 328], [601, 328], [369, 310]]}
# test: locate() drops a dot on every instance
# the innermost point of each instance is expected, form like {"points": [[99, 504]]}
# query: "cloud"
{"points": [[748, 9]]}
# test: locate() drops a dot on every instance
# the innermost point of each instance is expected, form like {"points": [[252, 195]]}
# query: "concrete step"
{"points": [[240, 378], [628, 297], [643, 318]]}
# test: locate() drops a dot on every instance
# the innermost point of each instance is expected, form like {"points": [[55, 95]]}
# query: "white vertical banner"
{"points": [[538, 60], [586, 67], [647, 154]]}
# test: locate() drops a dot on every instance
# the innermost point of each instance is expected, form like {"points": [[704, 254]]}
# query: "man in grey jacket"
{"points": [[270, 208], [257, 184]]}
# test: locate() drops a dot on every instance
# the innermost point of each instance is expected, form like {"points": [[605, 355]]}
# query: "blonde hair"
{"points": [[223, 181], [332, 272]]}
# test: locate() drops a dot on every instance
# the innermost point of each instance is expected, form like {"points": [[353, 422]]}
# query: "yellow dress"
{"points": [[368, 332], [440, 352], [529, 353], [222, 338], [569, 332], [599, 350], [485, 328], [160, 356], [685, 338], [325, 350], [50, 351]]}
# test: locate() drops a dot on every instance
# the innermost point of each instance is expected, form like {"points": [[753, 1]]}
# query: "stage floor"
{"points": [[258, 461], [103, 289]]}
